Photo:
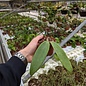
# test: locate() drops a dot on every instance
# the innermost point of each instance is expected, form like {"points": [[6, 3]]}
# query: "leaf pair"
{"points": [[42, 52]]}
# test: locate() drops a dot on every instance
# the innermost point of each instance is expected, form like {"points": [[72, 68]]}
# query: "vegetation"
{"points": [[61, 77], [46, 48], [55, 26]]}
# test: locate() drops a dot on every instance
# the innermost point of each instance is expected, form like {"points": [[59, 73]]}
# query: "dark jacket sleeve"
{"points": [[11, 72]]}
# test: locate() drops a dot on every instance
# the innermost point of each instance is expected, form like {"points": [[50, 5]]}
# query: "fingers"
{"points": [[39, 37]]}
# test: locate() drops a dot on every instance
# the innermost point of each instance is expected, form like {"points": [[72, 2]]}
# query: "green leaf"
{"points": [[62, 56], [39, 57], [57, 40], [56, 57]]}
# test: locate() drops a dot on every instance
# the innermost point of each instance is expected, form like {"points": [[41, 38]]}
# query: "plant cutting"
{"points": [[65, 10], [51, 14], [74, 7], [74, 23], [43, 50], [82, 9]]}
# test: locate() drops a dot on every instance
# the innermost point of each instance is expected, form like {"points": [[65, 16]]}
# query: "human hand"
{"points": [[30, 49]]}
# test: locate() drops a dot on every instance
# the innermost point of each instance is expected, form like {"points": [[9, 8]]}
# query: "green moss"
{"points": [[61, 77]]}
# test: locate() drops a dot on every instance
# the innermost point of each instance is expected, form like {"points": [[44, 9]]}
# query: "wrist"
{"points": [[25, 54], [22, 58]]}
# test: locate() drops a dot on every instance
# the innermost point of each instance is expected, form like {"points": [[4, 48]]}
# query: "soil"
{"points": [[34, 82], [73, 28], [77, 42], [84, 54], [75, 10], [64, 11], [51, 22], [44, 19], [83, 13]]}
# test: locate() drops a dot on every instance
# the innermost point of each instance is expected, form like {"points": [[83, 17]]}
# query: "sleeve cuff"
{"points": [[16, 65]]}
